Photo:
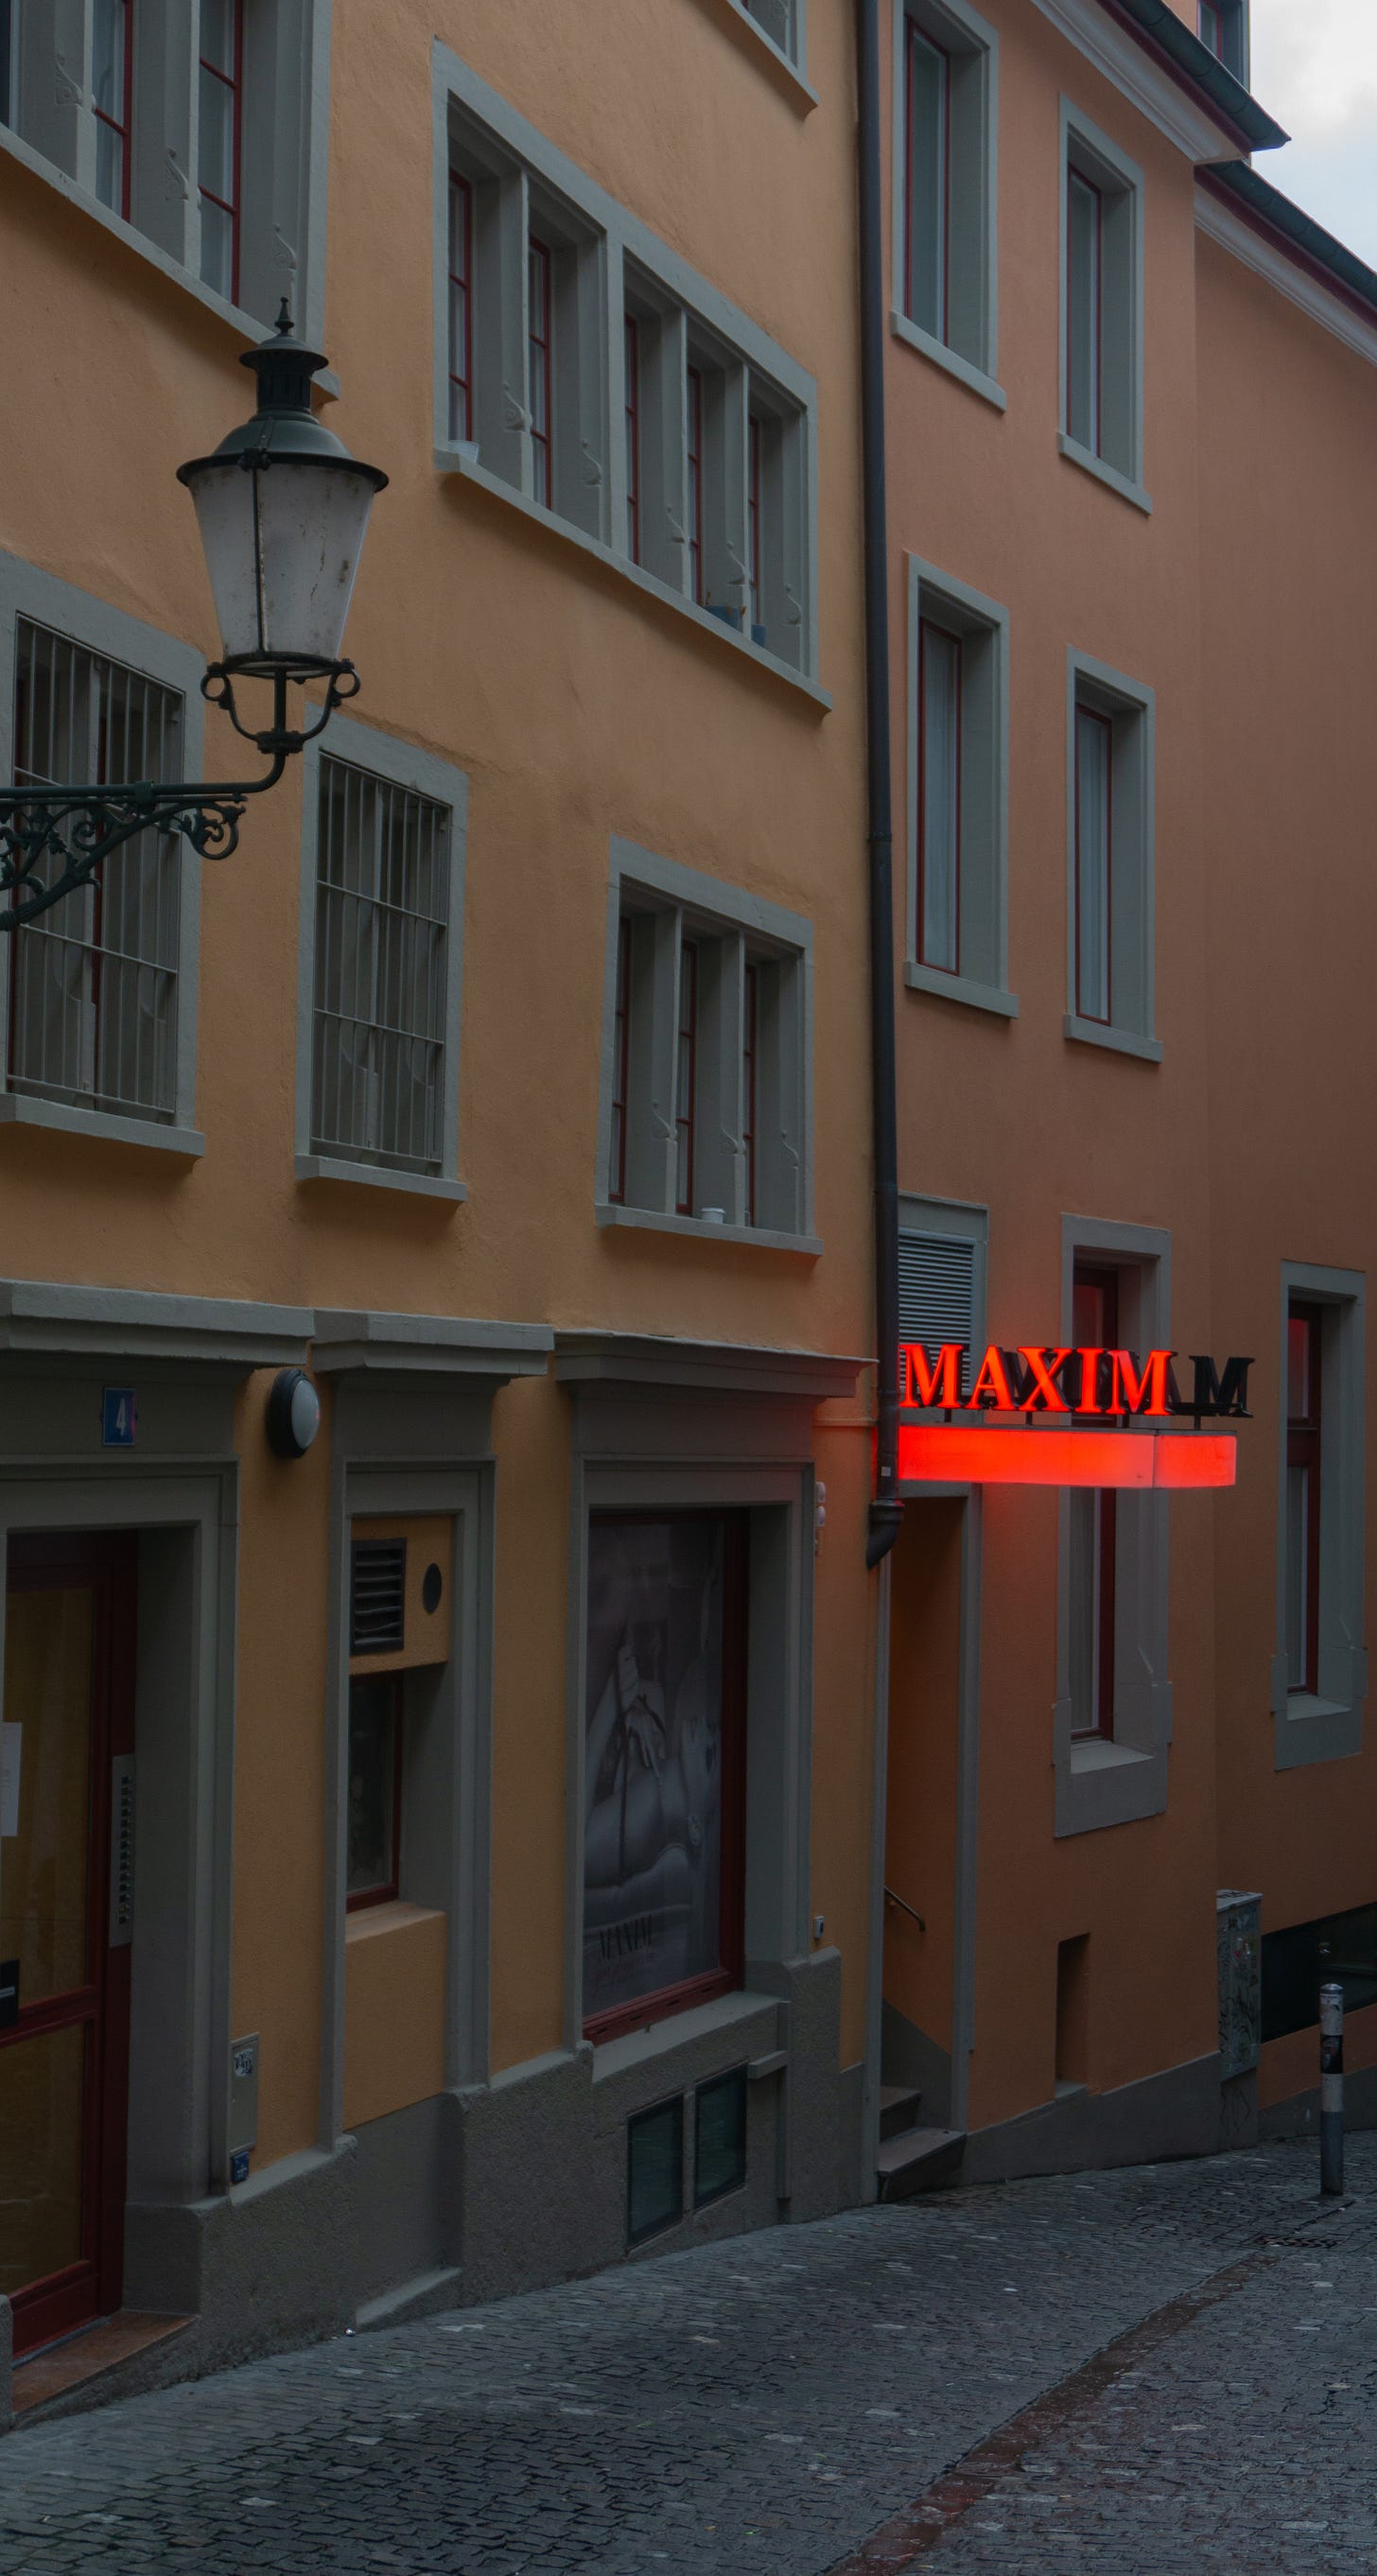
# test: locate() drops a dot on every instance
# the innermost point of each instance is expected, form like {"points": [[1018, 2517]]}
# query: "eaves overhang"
{"points": [[53, 1318], [1295, 234], [1188, 60], [373, 1344]]}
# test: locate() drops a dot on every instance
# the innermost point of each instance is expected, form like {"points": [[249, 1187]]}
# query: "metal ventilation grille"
{"points": [[937, 1293], [377, 1615]]}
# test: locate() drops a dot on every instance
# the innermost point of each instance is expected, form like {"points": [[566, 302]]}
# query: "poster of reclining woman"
{"points": [[661, 1759]]}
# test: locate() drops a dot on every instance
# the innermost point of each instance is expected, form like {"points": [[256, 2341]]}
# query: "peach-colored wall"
{"points": [[394, 2010], [578, 707]]}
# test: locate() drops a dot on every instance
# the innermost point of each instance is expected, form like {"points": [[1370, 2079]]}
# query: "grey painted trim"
{"points": [[1328, 1728], [402, 764], [984, 768], [347, 1343], [1109, 475], [788, 1170], [1115, 53], [653, 1221], [1267, 260], [1118, 1041], [964, 1907], [141, 1323], [736, 1368], [1132, 708], [638, 2048], [949, 360], [1121, 176], [961, 988], [381, 1176], [791, 64], [310, 303], [18, 1109], [621, 234], [25, 591], [873, 2072], [454, 460], [1099, 1783], [973, 36]]}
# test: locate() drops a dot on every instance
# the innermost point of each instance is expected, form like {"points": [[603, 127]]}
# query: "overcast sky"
{"points": [[1314, 66]]}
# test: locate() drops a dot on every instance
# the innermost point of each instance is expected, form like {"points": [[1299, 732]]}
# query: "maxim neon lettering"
{"points": [[1091, 1383]]}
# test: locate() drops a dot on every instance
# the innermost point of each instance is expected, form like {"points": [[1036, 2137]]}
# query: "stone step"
{"points": [[918, 2160], [899, 2106]]}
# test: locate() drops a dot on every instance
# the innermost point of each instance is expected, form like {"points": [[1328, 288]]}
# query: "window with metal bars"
{"points": [[381, 971], [93, 983]]}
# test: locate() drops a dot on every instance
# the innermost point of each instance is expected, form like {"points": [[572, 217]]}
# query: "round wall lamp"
{"points": [[293, 1413]]}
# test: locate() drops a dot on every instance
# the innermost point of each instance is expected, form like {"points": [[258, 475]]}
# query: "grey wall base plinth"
{"points": [[1173, 2114], [851, 2161], [1299, 2115], [920, 2064], [266, 2265], [6, 2364], [405, 2198]]}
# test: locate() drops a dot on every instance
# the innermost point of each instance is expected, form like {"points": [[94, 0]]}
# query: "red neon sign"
{"points": [[1089, 1383], [990, 1454]]}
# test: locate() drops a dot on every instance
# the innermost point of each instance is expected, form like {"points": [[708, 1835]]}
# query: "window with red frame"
{"points": [[939, 796], [460, 307], [1094, 864], [664, 1766], [540, 344], [1084, 310], [693, 442], [1221, 25], [633, 439], [927, 182], [753, 517], [1304, 1375], [621, 1053], [112, 99], [750, 1009], [219, 142], [1095, 1327], [374, 1830], [686, 1078]]}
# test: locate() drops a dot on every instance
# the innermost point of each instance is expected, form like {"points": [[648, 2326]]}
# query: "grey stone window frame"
{"points": [[1086, 148], [400, 764], [971, 352], [739, 929], [1325, 1727], [983, 626], [75, 615], [1100, 1781], [1131, 707], [600, 244], [286, 133], [782, 24]]}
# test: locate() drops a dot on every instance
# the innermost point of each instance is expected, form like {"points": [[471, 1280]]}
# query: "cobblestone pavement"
{"points": [[810, 2399]]}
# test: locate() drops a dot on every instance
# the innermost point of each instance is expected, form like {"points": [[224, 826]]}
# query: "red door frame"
{"points": [[92, 2286]]}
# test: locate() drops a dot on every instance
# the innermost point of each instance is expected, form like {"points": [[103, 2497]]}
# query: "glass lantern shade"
{"points": [[282, 538]]}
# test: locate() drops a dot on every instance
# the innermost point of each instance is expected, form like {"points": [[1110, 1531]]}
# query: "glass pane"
{"points": [[719, 2155], [6, 62], [1083, 311], [44, 1868], [654, 2170], [1084, 1612], [217, 34], [109, 167], [216, 167], [372, 1783], [43, 2081], [941, 792], [1297, 1570], [1093, 742], [1298, 1365], [653, 1758], [107, 59], [217, 249], [928, 75]]}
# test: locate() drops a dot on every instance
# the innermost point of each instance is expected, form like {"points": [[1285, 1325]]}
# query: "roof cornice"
{"points": [[1174, 85], [1289, 256]]}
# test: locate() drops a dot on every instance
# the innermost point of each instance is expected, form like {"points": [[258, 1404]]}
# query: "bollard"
{"points": [[1331, 2088]]}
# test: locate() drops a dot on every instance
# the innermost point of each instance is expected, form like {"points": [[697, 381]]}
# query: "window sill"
{"points": [[1100, 1753], [961, 988], [463, 462], [1118, 1041], [247, 325], [18, 1110], [1109, 475], [370, 1921], [380, 1176], [950, 361], [652, 1221], [805, 96], [680, 2030]]}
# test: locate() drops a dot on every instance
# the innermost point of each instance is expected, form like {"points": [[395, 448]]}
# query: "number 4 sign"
{"points": [[119, 1416]]}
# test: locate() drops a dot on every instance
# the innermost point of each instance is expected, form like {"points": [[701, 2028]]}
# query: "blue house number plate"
{"points": [[119, 1415]]}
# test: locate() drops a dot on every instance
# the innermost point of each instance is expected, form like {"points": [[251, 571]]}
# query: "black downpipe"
{"points": [[886, 1510]]}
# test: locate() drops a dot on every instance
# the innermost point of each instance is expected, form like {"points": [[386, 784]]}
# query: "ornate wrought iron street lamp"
{"points": [[283, 509]]}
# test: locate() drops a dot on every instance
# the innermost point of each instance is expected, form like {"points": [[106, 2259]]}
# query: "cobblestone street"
{"points": [[1134, 2373]]}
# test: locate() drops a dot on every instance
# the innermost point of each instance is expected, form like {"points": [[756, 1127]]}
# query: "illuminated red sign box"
{"points": [[1085, 1387]]}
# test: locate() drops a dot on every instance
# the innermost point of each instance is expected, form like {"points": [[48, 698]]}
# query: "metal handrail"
{"points": [[905, 1908]]}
